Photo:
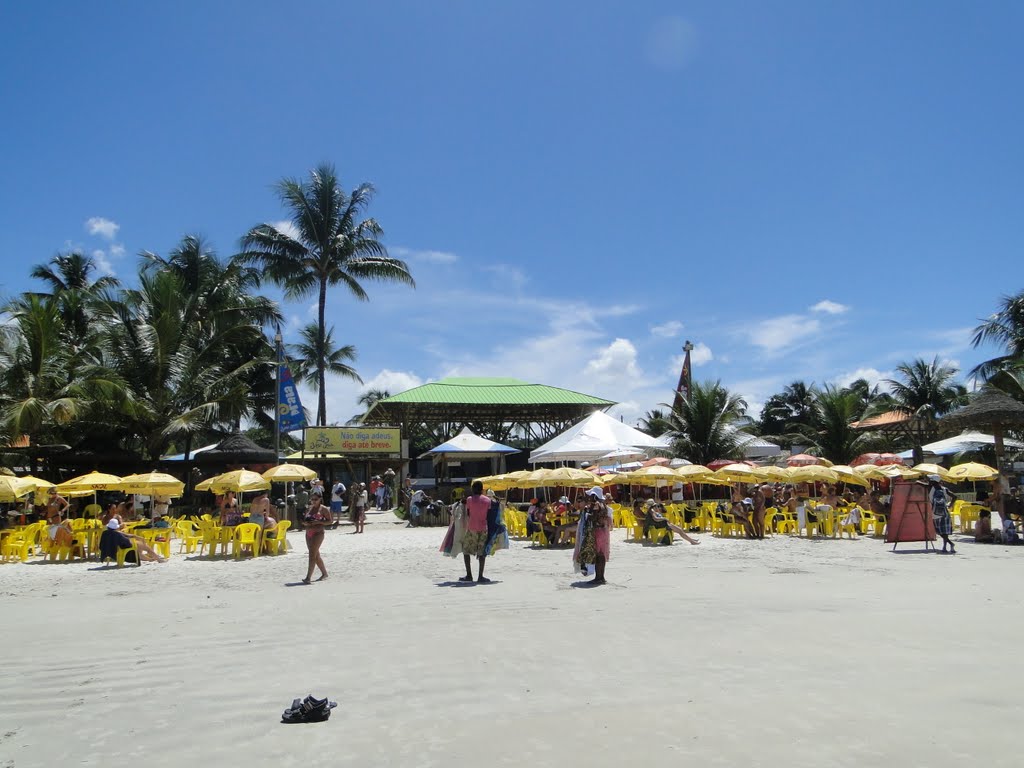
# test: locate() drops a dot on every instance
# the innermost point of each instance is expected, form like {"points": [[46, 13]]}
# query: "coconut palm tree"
{"points": [[308, 353], [69, 278], [45, 387], [655, 423], [1005, 328], [924, 391], [333, 245], [832, 436], [703, 427], [193, 352]]}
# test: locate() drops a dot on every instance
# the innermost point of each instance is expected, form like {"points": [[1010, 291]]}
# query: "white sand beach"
{"points": [[784, 652]]}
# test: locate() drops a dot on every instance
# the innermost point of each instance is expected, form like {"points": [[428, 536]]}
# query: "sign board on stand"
{"points": [[910, 515], [352, 440]]}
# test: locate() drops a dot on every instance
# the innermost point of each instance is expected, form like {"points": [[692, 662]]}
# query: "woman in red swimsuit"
{"points": [[317, 518]]}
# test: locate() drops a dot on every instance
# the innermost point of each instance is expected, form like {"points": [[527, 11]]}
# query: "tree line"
{"points": [[187, 353], [713, 423]]}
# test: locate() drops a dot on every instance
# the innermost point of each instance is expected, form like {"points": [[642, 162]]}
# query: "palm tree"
{"points": [[68, 276], [655, 423], [924, 392], [334, 246], [371, 397], [189, 342], [1006, 328], [702, 429], [832, 435], [44, 386], [314, 349]]}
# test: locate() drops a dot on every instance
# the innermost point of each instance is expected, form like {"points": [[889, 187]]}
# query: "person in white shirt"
{"points": [[337, 501]]}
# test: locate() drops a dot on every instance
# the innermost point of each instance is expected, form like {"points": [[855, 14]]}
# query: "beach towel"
{"points": [[497, 532], [452, 543]]}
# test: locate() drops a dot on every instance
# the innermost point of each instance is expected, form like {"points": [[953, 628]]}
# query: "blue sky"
{"points": [[803, 189]]}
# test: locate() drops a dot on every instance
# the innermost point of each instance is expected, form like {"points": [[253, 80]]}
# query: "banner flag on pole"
{"points": [[289, 413]]}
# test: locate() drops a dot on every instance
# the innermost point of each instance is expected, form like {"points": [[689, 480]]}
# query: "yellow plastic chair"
{"points": [[246, 535], [276, 542], [188, 537], [123, 553]]}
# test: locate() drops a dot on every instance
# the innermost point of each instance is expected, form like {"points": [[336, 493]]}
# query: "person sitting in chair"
{"points": [[113, 539], [655, 518], [983, 533]]}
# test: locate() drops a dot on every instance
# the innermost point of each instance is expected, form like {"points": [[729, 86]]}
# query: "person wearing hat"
{"points": [[593, 537], [940, 501], [113, 538]]}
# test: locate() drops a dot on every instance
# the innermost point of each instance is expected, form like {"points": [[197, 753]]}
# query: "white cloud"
{"points": [[392, 381], [507, 277], [116, 250], [672, 43], [285, 228], [615, 362], [700, 355], [103, 263], [873, 376], [668, 330], [778, 333], [429, 256], [97, 225], [830, 307]]}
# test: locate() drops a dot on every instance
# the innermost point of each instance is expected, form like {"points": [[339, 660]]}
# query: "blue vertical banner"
{"points": [[289, 411]]}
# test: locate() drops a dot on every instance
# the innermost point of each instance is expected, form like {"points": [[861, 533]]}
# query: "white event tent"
{"points": [[593, 438], [965, 441]]}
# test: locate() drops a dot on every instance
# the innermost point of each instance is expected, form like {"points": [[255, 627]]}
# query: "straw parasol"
{"points": [[236, 449], [989, 408]]}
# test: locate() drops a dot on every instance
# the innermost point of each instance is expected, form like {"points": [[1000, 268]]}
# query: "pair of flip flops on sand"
{"points": [[308, 710]]}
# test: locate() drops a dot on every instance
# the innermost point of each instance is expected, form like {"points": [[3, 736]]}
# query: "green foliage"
{"points": [[333, 245], [703, 428]]}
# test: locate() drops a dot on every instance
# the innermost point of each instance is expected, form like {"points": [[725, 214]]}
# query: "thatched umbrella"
{"points": [[237, 449], [989, 408]]}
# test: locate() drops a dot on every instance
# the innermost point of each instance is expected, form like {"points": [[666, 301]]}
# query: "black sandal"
{"points": [[310, 710]]}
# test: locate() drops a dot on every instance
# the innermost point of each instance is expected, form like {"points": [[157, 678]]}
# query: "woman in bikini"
{"points": [[317, 518]]}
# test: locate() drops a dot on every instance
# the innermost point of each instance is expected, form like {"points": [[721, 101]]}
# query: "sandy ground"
{"points": [[784, 652]]}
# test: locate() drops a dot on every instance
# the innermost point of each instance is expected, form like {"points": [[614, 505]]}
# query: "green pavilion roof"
{"points": [[493, 399]]}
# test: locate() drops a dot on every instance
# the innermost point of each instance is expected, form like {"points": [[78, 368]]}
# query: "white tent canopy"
{"points": [[755, 447], [965, 441], [467, 445], [597, 435]]}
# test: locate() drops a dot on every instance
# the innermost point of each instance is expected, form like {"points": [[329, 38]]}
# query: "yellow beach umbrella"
{"points": [[90, 483], [932, 469], [152, 484], [813, 473], [615, 478], [773, 473], [568, 476], [289, 473], [898, 472], [240, 481], [738, 473], [870, 471], [973, 471], [653, 475], [849, 476], [13, 488]]}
